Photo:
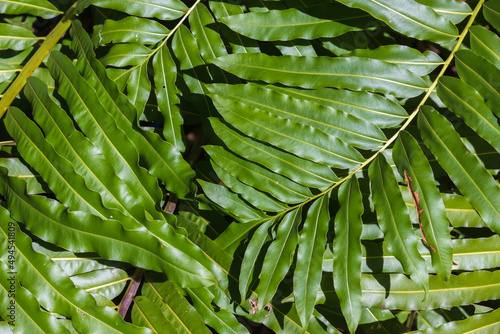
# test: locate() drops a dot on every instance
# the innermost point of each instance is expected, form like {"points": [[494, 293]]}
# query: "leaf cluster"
{"points": [[306, 166]]}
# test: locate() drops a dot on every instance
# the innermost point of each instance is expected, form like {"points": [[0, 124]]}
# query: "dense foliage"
{"points": [[182, 166]]}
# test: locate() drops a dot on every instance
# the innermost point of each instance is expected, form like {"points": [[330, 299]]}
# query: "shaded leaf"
{"points": [[393, 218], [431, 213], [465, 170], [163, 10], [325, 72], [409, 18], [42, 8], [290, 24], [166, 95], [181, 315], [307, 275], [278, 257], [129, 30], [15, 38], [347, 252]]}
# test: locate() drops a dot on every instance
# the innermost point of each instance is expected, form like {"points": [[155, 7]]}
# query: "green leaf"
{"points": [[108, 282], [222, 321], [393, 218], [163, 10], [307, 275], [460, 213], [81, 232], [113, 142], [204, 30], [303, 141], [252, 251], [476, 323], [176, 309], [233, 234], [6, 71], [21, 310], [97, 173], [468, 254], [465, 170], [15, 38], [262, 179], [378, 321], [319, 72], [468, 104], [455, 11], [491, 12], [166, 95], [347, 252], [19, 306], [165, 162], [290, 24], [279, 257], [139, 87], [127, 54], [42, 8], [251, 195], [194, 69], [485, 43], [463, 289], [76, 264], [284, 319], [302, 171], [413, 164], [350, 129], [54, 168], [57, 293], [16, 168], [480, 74], [411, 59], [409, 18], [230, 202], [373, 108], [238, 43], [129, 30], [147, 314]]}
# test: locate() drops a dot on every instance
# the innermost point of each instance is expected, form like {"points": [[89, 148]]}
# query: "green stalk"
{"points": [[52, 38]]}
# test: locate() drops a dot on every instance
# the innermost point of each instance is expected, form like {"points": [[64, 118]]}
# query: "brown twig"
{"points": [[416, 202], [131, 291]]}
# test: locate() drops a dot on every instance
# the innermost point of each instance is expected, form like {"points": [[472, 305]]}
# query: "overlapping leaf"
{"points": [[344, 85]]}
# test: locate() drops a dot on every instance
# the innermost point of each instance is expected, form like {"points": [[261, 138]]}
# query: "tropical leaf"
{"points": [[226, 166], [327, 72], [410, 18], [395, 222], [307, 275], [40, 8], [172, 9], [290, 24], [465, 170], [347, 252], [431, 212], [15, 38]]}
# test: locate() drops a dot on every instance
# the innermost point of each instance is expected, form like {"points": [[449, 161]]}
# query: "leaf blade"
{"points": [[307, 275], [398, 232], [464, 169]]}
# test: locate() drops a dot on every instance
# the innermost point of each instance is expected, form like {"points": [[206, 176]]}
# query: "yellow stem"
{"points": [[52, 38]]}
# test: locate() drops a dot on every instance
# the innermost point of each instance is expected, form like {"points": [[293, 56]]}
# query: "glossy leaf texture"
{"points": [[347, 252], [226, 166]]}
